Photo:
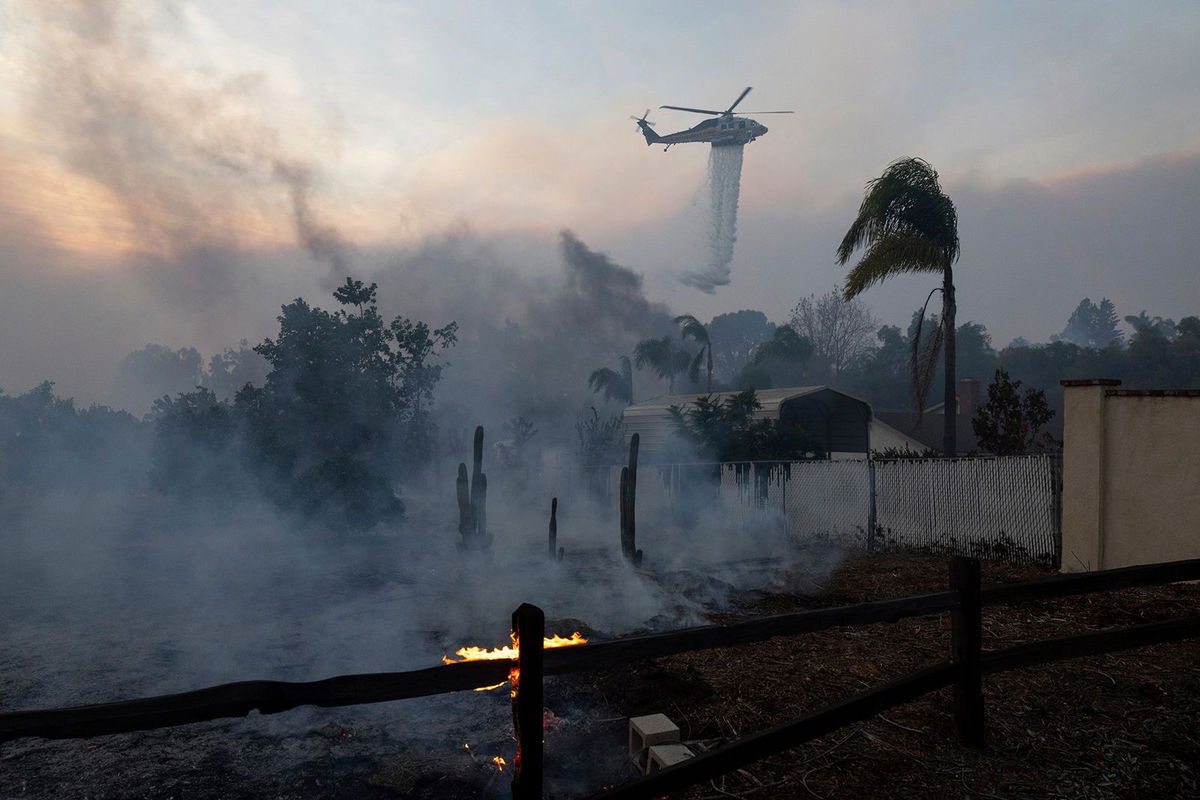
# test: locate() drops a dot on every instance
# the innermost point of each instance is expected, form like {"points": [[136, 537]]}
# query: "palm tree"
{"points": [[907, 224], [663, 357], [691, 327], [615, 385]]}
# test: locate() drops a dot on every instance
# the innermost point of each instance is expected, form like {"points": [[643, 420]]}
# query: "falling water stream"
{"points": [[725, 180]]}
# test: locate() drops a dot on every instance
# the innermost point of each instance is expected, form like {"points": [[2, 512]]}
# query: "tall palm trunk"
{"points": [[709, 347], [950, 397]]}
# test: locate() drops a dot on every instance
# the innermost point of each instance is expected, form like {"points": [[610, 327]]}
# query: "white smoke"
{"points": [[725, 182]]}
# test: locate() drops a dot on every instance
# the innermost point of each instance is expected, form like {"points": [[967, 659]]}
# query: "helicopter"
{"points": [[722, 131]]}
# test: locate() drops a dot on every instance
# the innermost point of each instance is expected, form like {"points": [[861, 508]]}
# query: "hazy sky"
{"points": [[173, 172]]}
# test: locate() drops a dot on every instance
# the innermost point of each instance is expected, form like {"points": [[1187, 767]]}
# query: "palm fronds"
{"points": [[615, 385], [899, 252], [906, 223], [692, 328]]}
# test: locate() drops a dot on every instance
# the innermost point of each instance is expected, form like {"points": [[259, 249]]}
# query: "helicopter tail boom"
{"points": [[648, 132]]}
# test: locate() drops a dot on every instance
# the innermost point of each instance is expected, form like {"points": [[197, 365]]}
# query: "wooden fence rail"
{"points": [[968, 662], [268, 697], [964, 671], [239, 699]]}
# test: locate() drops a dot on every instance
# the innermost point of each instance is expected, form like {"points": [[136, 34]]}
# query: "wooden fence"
{"points": [[964, 669]]}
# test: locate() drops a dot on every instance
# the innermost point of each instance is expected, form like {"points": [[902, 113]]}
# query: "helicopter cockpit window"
{"points": [[742, 124]]}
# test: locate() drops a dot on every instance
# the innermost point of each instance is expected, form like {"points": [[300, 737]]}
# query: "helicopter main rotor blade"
{"points": [[756, 113], [740, 98], [694, 110]]}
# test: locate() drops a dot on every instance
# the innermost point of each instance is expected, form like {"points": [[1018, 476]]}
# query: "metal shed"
{"points": [[840, 421]]}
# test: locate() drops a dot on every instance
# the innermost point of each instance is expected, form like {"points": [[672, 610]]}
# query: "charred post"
{"points": [[472, 500], [623, 509], [479, 506], [966, 630], [466, 514], [479, 488], [633, 554], [529, 626], [554, 529]]}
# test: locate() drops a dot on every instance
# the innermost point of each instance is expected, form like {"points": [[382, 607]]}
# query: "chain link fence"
{"points": [[1003, 508]]}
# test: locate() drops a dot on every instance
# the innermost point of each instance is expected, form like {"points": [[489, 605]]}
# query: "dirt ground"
{"points": [[1116, 726], [1123, 725]]}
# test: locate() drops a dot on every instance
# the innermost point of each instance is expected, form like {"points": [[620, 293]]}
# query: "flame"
{"points": [[499, 762], [498, 653], [511, 652]]}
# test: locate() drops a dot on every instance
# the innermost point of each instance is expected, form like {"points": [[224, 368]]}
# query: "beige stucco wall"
{"points": [[1131, 476]]}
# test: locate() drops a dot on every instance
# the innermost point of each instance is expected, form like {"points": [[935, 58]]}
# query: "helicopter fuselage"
{"points": [[721, 131], [718, 132]]}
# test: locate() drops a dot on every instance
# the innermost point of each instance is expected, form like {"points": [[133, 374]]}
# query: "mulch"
{"points": [[1115, 726]]}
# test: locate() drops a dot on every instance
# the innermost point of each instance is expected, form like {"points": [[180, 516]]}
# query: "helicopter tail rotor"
{"points": [[647, 128], [642, 118]]}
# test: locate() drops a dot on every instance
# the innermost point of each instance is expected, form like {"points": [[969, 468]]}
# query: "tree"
{"points": [[155, 371], [47, 443], [1010, 423], [690, 327], [974, 352], [664, 358], [616, 385], [780, 361], [907, 224], [194, 448], [1091, 325], [521, 431], [881, 376], [599, 439], [233, 369], [735, 336], [839, 329], [725, 430], [346, 385], [1143, 322]]}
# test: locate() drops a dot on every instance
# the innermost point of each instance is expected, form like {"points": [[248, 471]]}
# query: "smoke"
{"points": [[534, 322], [109, 591], [607, 297], [324, 242], [725, 181], [191, 158]]}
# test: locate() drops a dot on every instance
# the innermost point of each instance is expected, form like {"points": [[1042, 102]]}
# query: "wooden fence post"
{"points": [[966, 630], [529, 624], [629, 505]]}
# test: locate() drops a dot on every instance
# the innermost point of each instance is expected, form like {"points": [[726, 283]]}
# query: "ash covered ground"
{"points": [[135, 596]]}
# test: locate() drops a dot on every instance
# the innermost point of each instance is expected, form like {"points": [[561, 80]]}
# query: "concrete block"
{"points": [[664, 755], [650, 730]]}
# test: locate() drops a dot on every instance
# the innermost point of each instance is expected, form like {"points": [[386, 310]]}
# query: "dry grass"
{"points": [[1116, 726]]}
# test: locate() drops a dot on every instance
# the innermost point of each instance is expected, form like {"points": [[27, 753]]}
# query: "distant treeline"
{"points": [[340, 419], [333, 415], [838, 343]]}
